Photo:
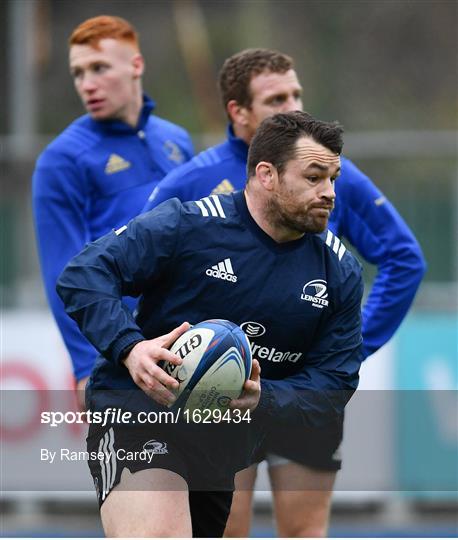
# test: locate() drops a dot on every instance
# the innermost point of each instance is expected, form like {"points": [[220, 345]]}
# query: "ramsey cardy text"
{"points": [[121, 454]]}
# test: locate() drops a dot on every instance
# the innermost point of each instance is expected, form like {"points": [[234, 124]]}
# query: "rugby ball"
{"points": [[216, 363]]}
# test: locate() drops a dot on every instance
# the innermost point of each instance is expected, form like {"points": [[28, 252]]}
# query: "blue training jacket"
{"points": [[362, 215], [209, 259], [94, 177]]}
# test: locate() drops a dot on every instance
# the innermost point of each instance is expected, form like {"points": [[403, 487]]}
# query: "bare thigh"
{"points": [[239, 521], [302, 499], [149, 503]]}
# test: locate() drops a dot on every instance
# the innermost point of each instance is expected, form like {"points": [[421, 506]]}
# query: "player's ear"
{"points": [[265, 173], [237, 113], [138, 65]]}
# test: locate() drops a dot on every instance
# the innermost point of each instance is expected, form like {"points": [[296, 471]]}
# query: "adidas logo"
{"points": [[222, 270], [116, 164], [223, 187]]}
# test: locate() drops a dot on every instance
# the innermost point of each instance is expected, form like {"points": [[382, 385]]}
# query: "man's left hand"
{"points": [[251, 393]]}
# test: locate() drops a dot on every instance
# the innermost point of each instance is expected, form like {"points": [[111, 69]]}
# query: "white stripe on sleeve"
{"points": [[204, 211], [210, 205], [218, 205]]}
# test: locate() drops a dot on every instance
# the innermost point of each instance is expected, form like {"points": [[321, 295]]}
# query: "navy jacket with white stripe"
{"points": [[362, 214], [209, 259]]}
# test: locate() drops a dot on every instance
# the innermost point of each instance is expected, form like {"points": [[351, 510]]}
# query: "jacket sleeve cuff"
{"points": [[265, 405], [120, 345]]}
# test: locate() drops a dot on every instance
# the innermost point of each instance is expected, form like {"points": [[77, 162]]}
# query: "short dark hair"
{"points": [[238, 70], [276, 137]]}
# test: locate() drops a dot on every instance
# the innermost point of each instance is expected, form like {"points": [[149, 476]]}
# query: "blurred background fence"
{"points": [[387, 70]]}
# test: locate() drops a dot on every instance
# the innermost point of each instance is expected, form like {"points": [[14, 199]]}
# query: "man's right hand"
{"points": [[142, 363]]}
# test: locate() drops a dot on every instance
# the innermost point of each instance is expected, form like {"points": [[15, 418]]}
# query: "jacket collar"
{"points": [[237, 145], [117, 126]]}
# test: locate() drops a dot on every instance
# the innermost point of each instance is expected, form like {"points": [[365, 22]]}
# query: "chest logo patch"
{"points": [[173, 152], [116, 164], [223, 270], [253, 329], [316, 292]]}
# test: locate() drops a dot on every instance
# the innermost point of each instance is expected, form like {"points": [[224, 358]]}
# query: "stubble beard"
{"points": [[280, 217]]}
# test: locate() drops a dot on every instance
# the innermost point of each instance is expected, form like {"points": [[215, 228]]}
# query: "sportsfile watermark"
{"points": [[115, 415], [394, 440]]}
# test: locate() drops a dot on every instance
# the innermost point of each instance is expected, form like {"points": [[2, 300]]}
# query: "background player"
{"points": [[254, 84], [97, 173], [310, 356]]}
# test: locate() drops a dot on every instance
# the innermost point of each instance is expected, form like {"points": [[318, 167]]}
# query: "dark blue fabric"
{"points": [[362, 215], [310, 354]]}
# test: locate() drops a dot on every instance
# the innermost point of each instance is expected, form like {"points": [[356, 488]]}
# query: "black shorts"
{"points": [[206, 455], [316, 448], [113, 448]]}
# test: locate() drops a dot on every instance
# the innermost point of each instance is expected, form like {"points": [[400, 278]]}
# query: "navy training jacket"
{"points": [[362, 214], [209, 259]]}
